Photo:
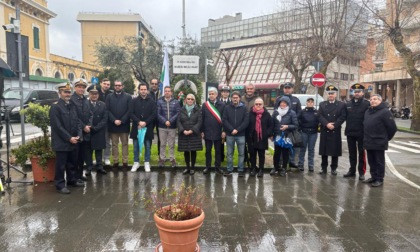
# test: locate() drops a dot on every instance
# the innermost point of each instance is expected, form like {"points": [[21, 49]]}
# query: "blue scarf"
{"points": [[189, 109]]}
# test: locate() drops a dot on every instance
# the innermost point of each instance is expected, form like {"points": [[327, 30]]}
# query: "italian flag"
{"points": [[164, 76]]}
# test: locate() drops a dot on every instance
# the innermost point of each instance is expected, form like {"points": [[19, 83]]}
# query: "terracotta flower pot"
{"points": [[40, 174], [179, 236]]}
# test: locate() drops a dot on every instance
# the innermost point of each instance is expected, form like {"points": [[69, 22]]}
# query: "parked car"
{"points": [[12, 100], [303, 97]]}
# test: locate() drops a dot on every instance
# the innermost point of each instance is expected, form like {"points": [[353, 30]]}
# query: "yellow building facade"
{"points": [[99, 27], [45, 69]]}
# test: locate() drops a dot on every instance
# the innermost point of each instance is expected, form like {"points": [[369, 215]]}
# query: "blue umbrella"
{"points": [[141, 133]]}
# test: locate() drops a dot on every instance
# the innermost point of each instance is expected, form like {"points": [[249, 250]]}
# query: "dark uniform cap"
{"points": [[64, 86], [93, 89], [357, 86], [80, 82], [331, 88], [226, 88], [288, 84], [310, 99]]}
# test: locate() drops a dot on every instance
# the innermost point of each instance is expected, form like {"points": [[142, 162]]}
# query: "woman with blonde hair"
{"points": [[189, 132]]}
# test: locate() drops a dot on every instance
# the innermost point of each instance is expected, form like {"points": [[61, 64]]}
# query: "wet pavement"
{"points": [[299, 212]]}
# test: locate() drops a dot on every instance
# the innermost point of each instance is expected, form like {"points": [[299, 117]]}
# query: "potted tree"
{"points": [[37, 150], [178, 215]]}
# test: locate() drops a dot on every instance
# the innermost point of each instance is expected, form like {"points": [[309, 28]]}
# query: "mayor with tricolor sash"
{"points": [[212, 132]]}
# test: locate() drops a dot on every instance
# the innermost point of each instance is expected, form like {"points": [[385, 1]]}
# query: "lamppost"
{"points": [[16, 29]]}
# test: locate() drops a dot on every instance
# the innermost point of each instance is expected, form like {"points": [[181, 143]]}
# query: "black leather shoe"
{"points": [[334, 173], [323, 172], [260, 173], [292, 165], [301, 168], [253, 172], [227, 173], [88, 173], [205, 171], [101, 171], [274, 171], [282, 172], [63, 190], [377, 184], [368, 181], [311, 169], [83, 178], [361, 177], [186, 171], [349, 175], [192, 172], [78, 183], [218, 170]]}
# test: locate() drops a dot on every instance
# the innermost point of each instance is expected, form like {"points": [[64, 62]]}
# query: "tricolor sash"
{"points": [[213, 110]]}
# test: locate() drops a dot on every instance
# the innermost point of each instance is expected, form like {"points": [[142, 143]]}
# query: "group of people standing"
{"points": [[82, 126]]}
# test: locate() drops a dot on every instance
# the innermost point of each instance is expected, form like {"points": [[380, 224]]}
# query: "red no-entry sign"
{"points": [[318, 80]]}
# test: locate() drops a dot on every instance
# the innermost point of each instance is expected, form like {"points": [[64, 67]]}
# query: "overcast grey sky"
{"points": [[165, 17]]}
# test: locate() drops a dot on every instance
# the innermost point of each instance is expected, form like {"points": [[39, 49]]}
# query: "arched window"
{"points": [[57, 75], [83, 76], [38, 72], [71, 76]]}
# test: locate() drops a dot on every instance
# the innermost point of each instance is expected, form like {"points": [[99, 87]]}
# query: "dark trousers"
{"points": [[222, 151], [81, 158], [376, 159], [246, 157], [253, 158], [190, 157], [355, 144], [65, 165], [334, 163], [284, 153], [88, 157], [158, 141], [217, 152]]}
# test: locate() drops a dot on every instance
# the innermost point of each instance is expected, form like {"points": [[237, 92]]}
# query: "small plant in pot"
{"points": [[39, 149], [178, 214]]}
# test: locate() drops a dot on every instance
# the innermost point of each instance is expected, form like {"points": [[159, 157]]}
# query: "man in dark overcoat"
{"points": [[118, 105], [143, 113], [65, 135], [212, 111], [155, 93], [104, 91], [356, 109], [224, 97], [85, 119], [331, 114], [379, 128], [97, 132]]}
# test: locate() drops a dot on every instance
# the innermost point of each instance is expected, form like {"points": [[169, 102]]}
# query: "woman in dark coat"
{"points": [[260, 128], [189, 138], [285, 120]]}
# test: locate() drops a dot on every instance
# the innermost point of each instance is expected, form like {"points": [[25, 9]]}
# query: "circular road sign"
{"points": [[318, 80]]}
